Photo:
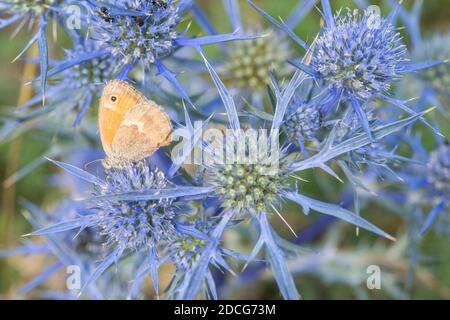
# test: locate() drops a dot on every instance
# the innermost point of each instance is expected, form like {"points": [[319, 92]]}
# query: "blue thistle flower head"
{"points": [[360, 55], [145, 36], [186, 248], [303, 121], [134, 224], [38, 14], [77, 85], [131, 210], [357, 56], [427, 187], [188, 251], [438, 173], [90, 73], [135, 31], [246, 184]]}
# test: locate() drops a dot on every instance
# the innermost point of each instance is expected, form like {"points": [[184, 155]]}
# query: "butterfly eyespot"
{"points": [[113, 98]]}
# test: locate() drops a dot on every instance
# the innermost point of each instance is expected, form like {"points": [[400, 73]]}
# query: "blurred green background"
{"points": [[20, 151]]}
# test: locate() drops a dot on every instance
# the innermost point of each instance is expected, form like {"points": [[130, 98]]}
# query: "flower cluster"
{"points": [[134, 224], [357, 57]]}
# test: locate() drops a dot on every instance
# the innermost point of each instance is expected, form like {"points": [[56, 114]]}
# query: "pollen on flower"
{"points": [[250, 61], [134, 223], [358, 56], [146, 37], [248, 187]]}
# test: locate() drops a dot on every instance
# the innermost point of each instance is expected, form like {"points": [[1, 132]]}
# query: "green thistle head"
{"points": [[251, 61], [248, 187]]}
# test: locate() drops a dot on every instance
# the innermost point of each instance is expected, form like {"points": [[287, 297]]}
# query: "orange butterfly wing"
{"points": [[117, 99], [144, 129]]}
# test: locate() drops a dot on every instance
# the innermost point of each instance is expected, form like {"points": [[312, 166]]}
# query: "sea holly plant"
{"points": [[358, 56], [426, 186], [428, 85], [438, 168], [433, 81], [81, 251], [422, 204], [249, 191]]}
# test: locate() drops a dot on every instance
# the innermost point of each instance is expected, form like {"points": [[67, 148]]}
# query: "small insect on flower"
{"points": [[131, 127]]}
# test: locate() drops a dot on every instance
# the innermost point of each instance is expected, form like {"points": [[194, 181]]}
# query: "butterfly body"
{"points": [[131, 127]]}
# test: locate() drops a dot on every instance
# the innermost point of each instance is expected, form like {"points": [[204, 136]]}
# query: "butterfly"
{"points": [[131, 127]]}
